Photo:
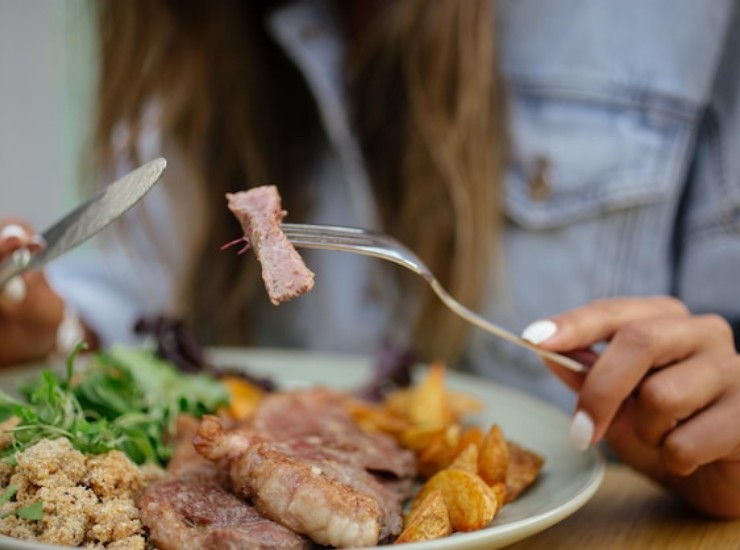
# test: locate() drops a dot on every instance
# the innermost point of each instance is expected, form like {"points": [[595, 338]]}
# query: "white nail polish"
{"points": [[70, 333], [12, 230], [539, 331], [581, 431], [14, 290]]}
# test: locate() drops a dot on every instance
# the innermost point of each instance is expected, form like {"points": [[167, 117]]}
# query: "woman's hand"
{"points": [[30, 311], [664, 392]]}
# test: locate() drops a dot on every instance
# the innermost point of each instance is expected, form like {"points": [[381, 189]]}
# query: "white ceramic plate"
{"points": [[567, 481]]}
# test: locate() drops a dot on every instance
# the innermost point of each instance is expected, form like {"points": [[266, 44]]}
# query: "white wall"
{"points": [[45, 104]]}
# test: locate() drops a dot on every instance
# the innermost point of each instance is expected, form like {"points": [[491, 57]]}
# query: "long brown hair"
{"points": [[426, 100]]}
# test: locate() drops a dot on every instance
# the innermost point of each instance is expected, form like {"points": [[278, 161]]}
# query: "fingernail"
{"points": [[12, 231], [36, 243], [14, 290], [539, 331], [581, 431]]}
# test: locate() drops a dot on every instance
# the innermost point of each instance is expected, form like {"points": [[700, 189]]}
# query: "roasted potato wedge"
{"points": [[494, 457], [418, 438], [466, 460], [470, 435], [524, 467], [430, 520], [499, 492], [397, 403], [374, 418], [470, 502], [440, 451], [429, 404]]}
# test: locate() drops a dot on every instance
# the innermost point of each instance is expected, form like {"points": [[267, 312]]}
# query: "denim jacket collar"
{"points": [[310, 35]]}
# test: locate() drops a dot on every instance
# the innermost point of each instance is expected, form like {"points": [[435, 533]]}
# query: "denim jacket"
{"points": [[624, 178], [625, 170]]}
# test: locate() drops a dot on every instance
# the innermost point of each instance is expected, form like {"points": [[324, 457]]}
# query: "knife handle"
{"points": [[15, 265]]}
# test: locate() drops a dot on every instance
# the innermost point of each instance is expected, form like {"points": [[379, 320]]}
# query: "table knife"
{"points": [[85, 220]]}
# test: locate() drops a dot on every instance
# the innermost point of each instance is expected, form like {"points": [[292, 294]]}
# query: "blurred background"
{"points": [[47, 76]]}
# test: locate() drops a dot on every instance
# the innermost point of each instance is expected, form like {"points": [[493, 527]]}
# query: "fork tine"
{"points": [[333, 234], [326, 238], [355, 240], [309, 229], [333, 230]]}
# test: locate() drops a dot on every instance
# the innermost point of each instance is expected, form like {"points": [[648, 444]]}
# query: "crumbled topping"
{"points": [[87, 500]]}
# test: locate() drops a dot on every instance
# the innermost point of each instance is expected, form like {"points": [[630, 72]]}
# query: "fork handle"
{"points": [[496, 330]]}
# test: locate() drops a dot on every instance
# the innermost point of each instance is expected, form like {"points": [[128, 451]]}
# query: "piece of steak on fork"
{"points": [[314, 480], [260, 213]]}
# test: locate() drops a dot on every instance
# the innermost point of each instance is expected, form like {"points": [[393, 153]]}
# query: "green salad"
{"points": [[124, 399]]}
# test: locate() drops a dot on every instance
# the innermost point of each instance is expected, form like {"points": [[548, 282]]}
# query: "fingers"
{"points": [[14, 292], [42, 306], [33, 318], [12, 236], [29, 309], [624, 443], [709, 436], [28, 330], [634, 351], [598, 321], [673, 395], [576, 331], [574, 380], [15, 235], [643, 335]]}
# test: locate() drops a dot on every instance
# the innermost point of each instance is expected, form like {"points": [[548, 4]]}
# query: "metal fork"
{"points": [[378, 245]]}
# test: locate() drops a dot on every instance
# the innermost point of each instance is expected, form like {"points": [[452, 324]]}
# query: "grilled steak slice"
{"points": [[183, 515], [319, 414], [186, 463], [302, 494], [309, 472], [260, 213]]}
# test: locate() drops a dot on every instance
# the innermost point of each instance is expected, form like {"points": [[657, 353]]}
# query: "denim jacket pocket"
{"points": [[575, 157]]}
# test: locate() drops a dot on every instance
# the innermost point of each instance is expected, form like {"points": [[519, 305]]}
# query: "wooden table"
{"points": [[631, 512]]}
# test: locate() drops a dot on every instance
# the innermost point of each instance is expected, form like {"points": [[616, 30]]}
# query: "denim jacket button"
{"points": [[539, 183]]}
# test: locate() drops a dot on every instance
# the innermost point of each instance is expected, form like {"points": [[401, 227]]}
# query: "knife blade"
{"points": [[86, 220]]}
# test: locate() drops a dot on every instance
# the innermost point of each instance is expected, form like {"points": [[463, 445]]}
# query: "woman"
{"points": [[559, 160]]}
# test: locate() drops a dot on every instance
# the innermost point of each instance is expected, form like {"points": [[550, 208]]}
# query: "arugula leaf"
{"points": [[7, 495], [33, 512]]}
